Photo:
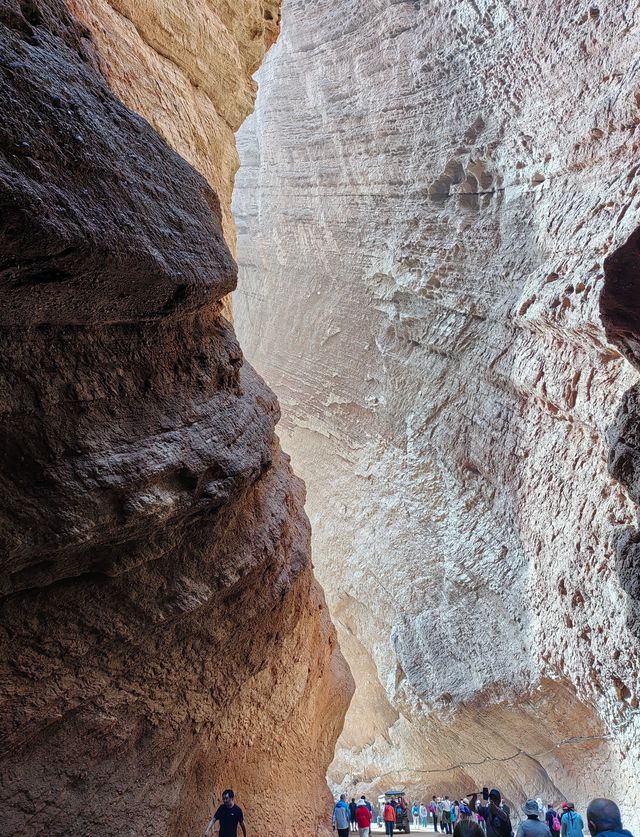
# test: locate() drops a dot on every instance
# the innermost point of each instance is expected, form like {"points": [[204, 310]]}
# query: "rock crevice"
{"points": [[620, 315]]}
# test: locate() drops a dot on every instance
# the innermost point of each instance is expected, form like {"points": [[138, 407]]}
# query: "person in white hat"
{"points": [[363, 818], [532, 827]]}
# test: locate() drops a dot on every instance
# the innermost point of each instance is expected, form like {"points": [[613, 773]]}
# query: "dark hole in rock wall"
{"points": [[620, 313]]}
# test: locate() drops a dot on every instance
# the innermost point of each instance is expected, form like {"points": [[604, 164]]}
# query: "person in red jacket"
{"points": [[363, 818], [389, 816]]}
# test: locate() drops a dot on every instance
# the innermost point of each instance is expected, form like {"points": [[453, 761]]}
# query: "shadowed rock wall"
{"points": [[427, 196], [619, 310], [161, 632]]}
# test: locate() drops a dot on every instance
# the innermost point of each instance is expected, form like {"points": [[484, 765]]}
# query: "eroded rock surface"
{"points": [[162, 634], [426, 200], [187, 68]]}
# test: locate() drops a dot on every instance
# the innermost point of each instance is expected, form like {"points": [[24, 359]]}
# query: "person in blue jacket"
{"points": [[571, 824], [341, 816]]}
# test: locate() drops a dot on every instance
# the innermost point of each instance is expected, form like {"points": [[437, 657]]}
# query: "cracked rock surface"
{"points": [[161, 632], [427, 196]]}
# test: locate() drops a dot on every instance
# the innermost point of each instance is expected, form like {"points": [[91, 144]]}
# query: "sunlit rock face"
{"points": [[427, 195], [162, 636], [186, 66]]}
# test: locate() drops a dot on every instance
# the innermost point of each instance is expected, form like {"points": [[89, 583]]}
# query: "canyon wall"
{"points": [[162, 634], [427, 195]]}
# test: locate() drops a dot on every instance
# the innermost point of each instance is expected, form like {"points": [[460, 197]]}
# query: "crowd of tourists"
{"points": [[478, 815], [488, 816]]}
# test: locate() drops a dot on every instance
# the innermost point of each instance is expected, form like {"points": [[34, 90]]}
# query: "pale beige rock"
{"points": [[427, 195]]}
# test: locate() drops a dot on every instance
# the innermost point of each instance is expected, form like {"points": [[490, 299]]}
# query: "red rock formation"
{"points": [[162, 634]]}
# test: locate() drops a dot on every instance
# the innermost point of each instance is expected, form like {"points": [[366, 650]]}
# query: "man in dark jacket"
{"points": [[604, 820], [552, 820], [496, 819], [352, 814]]}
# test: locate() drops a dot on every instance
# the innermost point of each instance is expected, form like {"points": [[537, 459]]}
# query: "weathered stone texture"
{"points": [[162, 635], [187, 67], [427, 196]]}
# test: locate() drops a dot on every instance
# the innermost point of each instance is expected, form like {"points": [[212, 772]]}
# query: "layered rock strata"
{"points": [[162, 634], [427, 201]]}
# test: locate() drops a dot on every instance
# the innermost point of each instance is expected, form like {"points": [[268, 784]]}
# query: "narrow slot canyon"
{"points": [[319, 408]]}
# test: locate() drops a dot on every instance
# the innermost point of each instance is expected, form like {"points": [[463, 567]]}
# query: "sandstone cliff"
{"points": [[427, 201], [162, 635]]}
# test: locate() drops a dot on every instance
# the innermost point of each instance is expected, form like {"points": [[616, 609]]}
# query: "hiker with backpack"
{"points": [[553, 821], [352, 814], [363, 818], [389, 816]]}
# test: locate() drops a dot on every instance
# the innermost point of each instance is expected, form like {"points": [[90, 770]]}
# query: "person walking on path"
{"points": [[415, 813], [424, 815], [434, 813], [389, 816], [572, 824], [352, 814], [496, 820], [553, 821], [532, 827], [340, 817], [229, 815], [445, 815], [604, 820], [455, 813], [363, 818]]}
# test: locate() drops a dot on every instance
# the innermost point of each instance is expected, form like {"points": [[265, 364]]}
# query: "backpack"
{"points": [[555, 823]]}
